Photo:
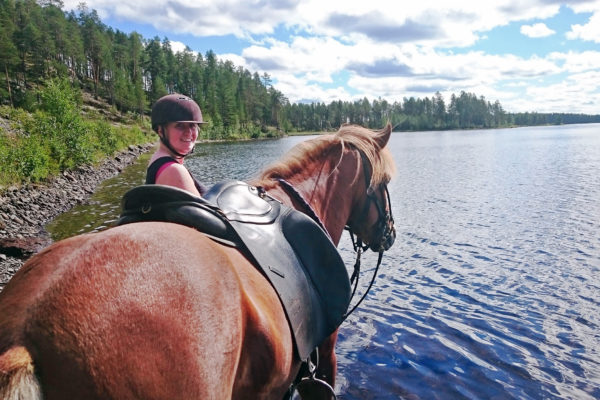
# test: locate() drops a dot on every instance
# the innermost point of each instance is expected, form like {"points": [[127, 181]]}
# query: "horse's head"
{"points": [[358, 158], [371, 220]]}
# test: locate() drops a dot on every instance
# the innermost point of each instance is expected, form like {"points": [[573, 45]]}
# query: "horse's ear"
{"points": [[383, 136]]}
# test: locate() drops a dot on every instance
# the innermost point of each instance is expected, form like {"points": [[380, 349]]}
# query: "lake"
{"points": [[491, 289]]}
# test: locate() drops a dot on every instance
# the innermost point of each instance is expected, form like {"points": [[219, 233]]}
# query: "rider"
{"points": [[176, 119]]}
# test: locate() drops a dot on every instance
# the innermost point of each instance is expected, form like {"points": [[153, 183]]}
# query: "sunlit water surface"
{"points": [[491, 289]]}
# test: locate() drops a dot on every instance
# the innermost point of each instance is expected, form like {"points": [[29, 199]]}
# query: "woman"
{"points": [[176, 119]]}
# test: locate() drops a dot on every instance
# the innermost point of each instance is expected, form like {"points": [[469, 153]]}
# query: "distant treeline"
{"points": [[465, 111], [39, 42]]}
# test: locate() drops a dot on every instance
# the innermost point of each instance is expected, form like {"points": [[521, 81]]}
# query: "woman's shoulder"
{"points": [[172, 170], [174, 167], [158, 161], [175, 174]]}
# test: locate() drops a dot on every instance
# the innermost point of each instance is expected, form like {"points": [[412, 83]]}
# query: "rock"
{"points": [[23, 247]]}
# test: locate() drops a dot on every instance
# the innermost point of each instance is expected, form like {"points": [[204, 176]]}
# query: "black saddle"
{"points": [[290, 249]]}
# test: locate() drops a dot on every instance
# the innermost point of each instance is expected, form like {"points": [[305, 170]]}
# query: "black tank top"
{"points": [[159, 162]]}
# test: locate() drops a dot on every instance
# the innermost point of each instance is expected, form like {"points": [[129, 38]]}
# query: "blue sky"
{"points": [[531, 55]]}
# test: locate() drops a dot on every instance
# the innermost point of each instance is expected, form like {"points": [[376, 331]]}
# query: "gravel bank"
{"points": [[24, 211]]}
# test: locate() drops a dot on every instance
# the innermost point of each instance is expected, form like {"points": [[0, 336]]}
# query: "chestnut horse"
{"points": [[157, 310]]}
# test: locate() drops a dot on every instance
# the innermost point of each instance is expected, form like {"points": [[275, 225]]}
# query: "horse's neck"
{"points": [[329, 191]]}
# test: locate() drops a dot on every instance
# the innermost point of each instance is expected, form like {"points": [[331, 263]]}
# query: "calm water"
{"points": [[491, 290]]}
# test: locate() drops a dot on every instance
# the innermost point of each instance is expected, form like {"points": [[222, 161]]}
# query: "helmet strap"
{"points": [[165, 140]]}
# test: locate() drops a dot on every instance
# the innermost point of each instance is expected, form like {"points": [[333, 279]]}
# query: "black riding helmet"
{"points": [[175, 108]]}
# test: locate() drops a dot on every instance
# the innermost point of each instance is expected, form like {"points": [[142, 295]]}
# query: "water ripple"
{"points": [[491, 290]]}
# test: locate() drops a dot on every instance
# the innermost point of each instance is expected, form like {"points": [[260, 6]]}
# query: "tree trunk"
{"points": [[8, 86]]}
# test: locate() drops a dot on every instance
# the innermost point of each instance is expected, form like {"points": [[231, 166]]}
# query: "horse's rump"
{"points": [[129, 310]]}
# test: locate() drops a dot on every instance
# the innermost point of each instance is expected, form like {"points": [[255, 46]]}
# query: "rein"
{"points": [[385, 238]]}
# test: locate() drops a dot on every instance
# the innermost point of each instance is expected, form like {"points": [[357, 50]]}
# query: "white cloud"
{"points": [[537, 30], [235, 59], [589, 31], [177, 46], [458, 23], [562, 96], [577, 62], [391, 71]]}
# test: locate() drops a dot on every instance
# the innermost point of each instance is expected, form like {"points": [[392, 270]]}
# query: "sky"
{"points": [[531, 55]]}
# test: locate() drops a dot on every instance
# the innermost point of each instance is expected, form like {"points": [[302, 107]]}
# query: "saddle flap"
{"points": [[322, 264]]}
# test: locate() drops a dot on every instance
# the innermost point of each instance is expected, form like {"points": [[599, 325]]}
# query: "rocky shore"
{"points": [[24, 211]]}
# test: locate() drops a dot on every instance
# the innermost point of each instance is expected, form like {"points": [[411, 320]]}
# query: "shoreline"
{"points": [[25, 210]]}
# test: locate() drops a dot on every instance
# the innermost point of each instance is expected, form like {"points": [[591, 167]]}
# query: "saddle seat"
{"points": [[289, 248]]}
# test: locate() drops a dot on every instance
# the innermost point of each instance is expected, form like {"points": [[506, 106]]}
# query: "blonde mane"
{"points": [[314, 150]]}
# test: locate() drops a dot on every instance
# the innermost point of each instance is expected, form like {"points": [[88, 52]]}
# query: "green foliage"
{"points": [[106, 140], [23, 158], [60, 100], [55, 137], [465, 111], [30, 159], [60, 125]]}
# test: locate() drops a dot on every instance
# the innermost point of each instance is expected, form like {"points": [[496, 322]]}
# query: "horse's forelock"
{"points": [[365, 140], [356, 136]]}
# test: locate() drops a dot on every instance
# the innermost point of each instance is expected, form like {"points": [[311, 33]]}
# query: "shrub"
{"points": [[108, 142], [55, 137], [31, 160]]}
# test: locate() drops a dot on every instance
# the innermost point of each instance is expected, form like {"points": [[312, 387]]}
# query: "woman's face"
{"points": [[182, 136]]}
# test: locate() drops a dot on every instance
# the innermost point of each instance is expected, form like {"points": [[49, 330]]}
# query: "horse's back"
{"points": [[124, 313]]}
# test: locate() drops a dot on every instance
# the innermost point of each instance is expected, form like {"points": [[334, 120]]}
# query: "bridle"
{"points": [[384, 227], [385, 232]]}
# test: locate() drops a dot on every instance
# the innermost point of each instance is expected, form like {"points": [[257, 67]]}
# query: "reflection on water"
{"points": [[491, 288], [489, 291], [104, 206]]}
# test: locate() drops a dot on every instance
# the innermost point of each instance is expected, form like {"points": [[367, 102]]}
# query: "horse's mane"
{"points": [[313, 150]]}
